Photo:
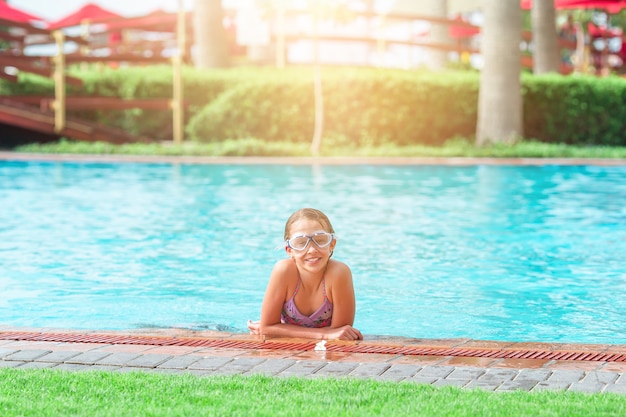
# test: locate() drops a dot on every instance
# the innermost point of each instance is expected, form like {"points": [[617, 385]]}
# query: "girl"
{"points": [[308, 295]]}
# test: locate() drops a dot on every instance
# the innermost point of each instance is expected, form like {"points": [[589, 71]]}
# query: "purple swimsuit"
{"points": [[322, 317]]}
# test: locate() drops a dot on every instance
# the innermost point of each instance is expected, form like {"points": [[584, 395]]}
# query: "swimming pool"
{"points": [[513, 253]]}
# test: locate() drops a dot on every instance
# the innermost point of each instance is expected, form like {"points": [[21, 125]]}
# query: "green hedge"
{"points": [[372, 107], [362, 106], [581, 110]]}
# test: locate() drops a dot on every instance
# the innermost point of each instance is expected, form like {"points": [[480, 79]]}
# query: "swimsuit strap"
{"points": [[297, 288], [300, 281]]}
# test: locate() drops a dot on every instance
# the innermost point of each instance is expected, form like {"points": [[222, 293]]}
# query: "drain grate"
{"points": [[360, 347]]}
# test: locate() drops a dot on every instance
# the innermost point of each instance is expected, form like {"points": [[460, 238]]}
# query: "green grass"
{"points": [[96, 393], [256, 147]]}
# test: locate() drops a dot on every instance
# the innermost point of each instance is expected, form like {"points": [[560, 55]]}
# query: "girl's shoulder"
{"points": [[285, 266], [337, 269]]}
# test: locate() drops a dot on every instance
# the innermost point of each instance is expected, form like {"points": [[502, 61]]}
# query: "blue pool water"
{"points": [[485, 252]]}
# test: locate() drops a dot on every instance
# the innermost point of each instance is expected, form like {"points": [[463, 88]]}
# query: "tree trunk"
{"points": [[500, 97], [210, 36], [545, 38], [318, 132], [438, 59]]}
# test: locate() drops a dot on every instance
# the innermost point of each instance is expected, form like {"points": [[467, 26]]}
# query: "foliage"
{"points": [[577, 110], [363, 107], [257, 147]]}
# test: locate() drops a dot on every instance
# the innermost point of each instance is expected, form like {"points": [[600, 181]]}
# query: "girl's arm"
{"points": [[341, 294]]}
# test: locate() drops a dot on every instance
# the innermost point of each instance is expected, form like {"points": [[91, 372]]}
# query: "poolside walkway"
{"points": [[348, 160], [488, 365]]}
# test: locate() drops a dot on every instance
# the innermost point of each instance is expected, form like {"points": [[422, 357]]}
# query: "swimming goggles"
{"points": [[321, 240]]}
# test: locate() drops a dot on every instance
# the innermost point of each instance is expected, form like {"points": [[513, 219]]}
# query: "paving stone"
{"points": [[399, 372], [302, 368], [10, 364], [435, 371], [601, 377], [148, 361], [107, 368], [6, 352], [616, 388], [118, 359], [493, 379], [73, 367], [37, 365], [180, 362], [569, 376], [536, 375], [517, 385], [423, 380], [166, 371], [337, 369], [369, 370], [621, 380], [58, 356], [487, 385], [271, 367], [88, 358], [451, 382], [552, 385], [210, 363], [465, 373], [26, 355], [239, 366], [495, 375], [589, 386]]}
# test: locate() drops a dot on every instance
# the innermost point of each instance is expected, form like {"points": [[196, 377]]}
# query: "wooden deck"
{"points": [[18, 115]]}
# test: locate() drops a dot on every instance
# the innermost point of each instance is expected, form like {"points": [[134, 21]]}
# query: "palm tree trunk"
{"points": [[546, 53], [210, 37], [438, 59], [316, 142], [500, 97]]}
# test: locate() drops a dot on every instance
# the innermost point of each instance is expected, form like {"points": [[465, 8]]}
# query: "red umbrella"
{"points": [[611, 6], [11, 13], [89, 12], [463, 29]]}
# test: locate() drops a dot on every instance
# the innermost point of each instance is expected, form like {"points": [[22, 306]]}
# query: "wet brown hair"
{"points": [[309, 214]]}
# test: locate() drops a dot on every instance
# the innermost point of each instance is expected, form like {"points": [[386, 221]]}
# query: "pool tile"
{"points": [[126, 348], [266, 354], [220, 352], [487, 344], [614, 367], [368, 357], [582, 348], [514, 363], [475, 362], [312, 355], [174, 350], [419, 360], [575, 365], [621, 349], [534, 346], [16, 344], [82, 347]]}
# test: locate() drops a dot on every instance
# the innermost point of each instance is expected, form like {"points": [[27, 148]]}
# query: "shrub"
{"points": [[362, 106]]}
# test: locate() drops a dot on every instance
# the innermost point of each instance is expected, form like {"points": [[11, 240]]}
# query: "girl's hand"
{"points": [[346, 332], [254, 327]]}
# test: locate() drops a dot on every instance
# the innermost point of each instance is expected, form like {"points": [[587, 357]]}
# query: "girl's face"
{"points": [[312, 258]]}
